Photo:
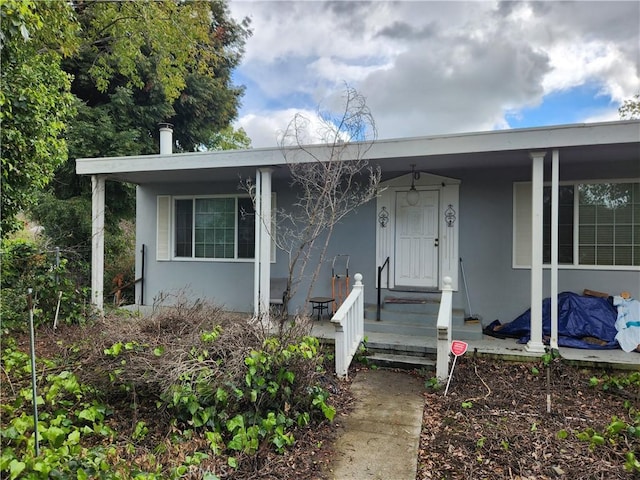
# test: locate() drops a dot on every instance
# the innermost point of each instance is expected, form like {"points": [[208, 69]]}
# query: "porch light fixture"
{"points": [[413, 197], [450, 215], [383, 217]]}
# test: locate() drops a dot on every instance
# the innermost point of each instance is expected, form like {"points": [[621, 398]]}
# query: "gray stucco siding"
{"points": [[485, 216], [227, 283], [496, 289]]}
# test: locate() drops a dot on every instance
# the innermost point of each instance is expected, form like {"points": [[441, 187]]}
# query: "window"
{"points": [[565, 225], [598, 224], [215, 227], [609, 224], [208, 227]]}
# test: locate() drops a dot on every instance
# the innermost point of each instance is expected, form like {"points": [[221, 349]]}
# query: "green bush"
{"points": [[207, 392], [67, 224], [26, 264], [216, 372], [261, 402], [67, 419]]}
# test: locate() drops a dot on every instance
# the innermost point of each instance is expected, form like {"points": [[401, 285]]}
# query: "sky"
{"points": [[433, 67]]}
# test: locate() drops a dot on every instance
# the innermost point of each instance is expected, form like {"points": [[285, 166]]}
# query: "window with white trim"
{"points": [[214, 227], [598, 224], [208, 227]]}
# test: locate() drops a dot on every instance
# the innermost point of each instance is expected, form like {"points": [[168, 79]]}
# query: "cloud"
{"points": [[466, 86], [434, 67], [404, 31], [268, 127], [608, 115]]}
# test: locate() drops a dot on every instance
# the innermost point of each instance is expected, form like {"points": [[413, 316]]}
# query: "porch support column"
{"points": [[537, 185], [262, 272], [97, 242], [555, 175]]}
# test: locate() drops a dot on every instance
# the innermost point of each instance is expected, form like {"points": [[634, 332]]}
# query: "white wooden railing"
{"points": [[349, 324], [445, 314]]}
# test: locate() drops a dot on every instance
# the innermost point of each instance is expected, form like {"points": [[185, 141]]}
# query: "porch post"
{"points": [[537, 185], [263, 241], [555, 168], [97, 242], [256, 255]]}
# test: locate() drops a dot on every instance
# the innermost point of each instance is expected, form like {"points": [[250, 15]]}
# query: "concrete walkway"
{"points": [[379, 439]]}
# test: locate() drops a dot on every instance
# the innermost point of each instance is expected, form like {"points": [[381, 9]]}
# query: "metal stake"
{"points": [[453, 366], [33, 371]]}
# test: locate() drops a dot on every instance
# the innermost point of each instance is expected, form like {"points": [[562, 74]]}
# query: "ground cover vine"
{"points": [[206, 395]]}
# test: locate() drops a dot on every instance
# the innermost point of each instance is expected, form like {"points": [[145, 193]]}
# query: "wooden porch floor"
{"points": [[507, 349]]}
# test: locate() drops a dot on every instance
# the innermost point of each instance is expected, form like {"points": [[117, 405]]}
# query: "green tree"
{"points": [[35, 99], [140, 64], [630, 108], [143, 63], [174, 67], [228, 139]]}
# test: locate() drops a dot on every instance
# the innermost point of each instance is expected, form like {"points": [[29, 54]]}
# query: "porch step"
{"points": [[398, 345], [424, 305], [464, 331], [417, 312], [420, 324], [397, 351], [392, 360], [421, 318]]}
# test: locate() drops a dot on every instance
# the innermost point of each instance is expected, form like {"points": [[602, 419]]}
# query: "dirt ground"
{"points": [[494, 424]]}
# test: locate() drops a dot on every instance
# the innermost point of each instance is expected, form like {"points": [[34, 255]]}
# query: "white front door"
{"points": [[416, 242]]}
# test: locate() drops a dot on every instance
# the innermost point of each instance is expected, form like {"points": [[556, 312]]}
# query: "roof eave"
{"points": [[454, 144]]}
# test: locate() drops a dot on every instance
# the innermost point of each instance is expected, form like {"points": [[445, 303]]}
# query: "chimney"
{"points": [[166, 138]]}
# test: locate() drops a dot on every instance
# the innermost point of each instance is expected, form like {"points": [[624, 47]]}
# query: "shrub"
{"points": [[67, 223], [68, 417], [217, 371], [27, 264]]}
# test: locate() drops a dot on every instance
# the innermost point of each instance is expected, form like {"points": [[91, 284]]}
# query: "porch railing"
{"points": [[445, 315], [380, 269], [349, 324]]}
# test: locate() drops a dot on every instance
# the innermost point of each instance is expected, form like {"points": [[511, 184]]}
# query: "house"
{"points": [[498, 200]]}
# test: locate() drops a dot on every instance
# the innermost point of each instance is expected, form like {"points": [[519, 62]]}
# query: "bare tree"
{"points": [[330, 181]]}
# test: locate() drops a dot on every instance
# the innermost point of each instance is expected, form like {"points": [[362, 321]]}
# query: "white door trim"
{"points": [[448, 220]]}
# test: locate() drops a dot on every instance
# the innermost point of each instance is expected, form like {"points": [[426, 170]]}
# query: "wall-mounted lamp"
{"points": [[383, 217], [450, 216], [413, 197]]}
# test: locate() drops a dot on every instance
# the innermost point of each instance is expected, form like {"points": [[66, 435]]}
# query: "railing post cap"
{"points": [[447, 281], [358, 278]]}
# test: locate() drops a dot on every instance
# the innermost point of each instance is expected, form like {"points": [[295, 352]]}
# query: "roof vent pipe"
{"points": [[166, 139]]}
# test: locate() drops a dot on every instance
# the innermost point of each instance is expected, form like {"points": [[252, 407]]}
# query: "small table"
{"points": [[320, 304]]}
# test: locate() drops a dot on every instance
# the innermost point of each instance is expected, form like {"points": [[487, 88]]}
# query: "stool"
{"points": [[321, 304]]}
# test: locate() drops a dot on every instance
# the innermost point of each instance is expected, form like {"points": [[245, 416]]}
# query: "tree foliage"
{"points": [[228, 139], [139, 64], [35, 99], [630, 108], [143, 63], [142, 44]]}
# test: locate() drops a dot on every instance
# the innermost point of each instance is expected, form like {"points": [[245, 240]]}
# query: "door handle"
{"points": [[436, 243]]}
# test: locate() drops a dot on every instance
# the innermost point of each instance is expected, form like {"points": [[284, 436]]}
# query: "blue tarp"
{"points": [[580, 319]]}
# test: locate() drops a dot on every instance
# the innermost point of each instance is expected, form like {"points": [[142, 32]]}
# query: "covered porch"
{"points": [[416, 351], [483, 193]]}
